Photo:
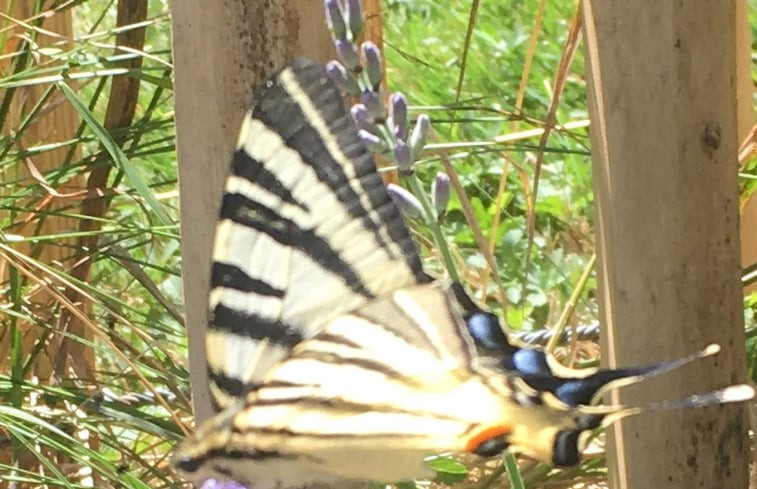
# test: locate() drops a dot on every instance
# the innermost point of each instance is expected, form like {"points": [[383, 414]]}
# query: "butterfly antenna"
{"points": [[727, 395], [655, 370]]}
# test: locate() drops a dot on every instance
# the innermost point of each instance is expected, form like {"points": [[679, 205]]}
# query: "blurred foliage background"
{"points": [[93, 383]]}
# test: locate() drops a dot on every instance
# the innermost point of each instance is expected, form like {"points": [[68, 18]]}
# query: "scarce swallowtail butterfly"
{"points": [[306, 232], [331, 354]]}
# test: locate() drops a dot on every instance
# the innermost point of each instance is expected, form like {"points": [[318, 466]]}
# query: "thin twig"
{"points": [[571, 46]]}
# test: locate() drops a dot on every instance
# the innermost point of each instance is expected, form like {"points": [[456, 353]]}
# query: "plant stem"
{"points": [[430, 214]]}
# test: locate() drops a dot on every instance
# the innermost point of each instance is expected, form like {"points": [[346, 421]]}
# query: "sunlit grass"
{"points": [[67, 422]]}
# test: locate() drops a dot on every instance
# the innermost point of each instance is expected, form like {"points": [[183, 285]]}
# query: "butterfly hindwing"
{"points": [[306, 231], [368, 399]]}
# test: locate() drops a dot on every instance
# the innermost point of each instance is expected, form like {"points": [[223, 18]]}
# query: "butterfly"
{"points": [[332, 355]]}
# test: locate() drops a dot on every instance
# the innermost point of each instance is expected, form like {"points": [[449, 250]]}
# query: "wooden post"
{"points": [[745, 119], [662, 99], [221, 55]]}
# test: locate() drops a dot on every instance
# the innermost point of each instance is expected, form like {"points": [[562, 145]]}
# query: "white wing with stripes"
{"points": [[369, 398], [306, 231]]}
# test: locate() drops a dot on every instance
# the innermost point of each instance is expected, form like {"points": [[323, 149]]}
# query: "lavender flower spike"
{"points": [[354, 16], [372, 56], [361, 117], [375, 106], [403, 157], [216, 484], [343, 80], [347, 53], [407, 203], [440, 192], [398, 106], [420, 134], [371, 141], [335, 19]]}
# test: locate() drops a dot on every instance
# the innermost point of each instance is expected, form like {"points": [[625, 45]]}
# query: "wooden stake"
{"points": [[662, 98], [221, 55]]}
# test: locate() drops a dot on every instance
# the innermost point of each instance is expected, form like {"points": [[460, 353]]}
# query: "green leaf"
{"points": [[553, 205], [448, 470], [133, 175]]}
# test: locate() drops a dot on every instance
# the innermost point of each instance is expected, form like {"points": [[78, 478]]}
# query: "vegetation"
{"points": [[106, 286]]}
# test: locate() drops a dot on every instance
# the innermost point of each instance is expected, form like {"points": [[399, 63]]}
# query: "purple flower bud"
{"points": [[216, 484], [372, 57], [371, 141], [362, 119], [337, 72], [398, 107], [335, 19], [405, 201], [347, 54], [374, 105], [343, 80], [440, 192], [420, 134], [354, 16], [403, 157]]}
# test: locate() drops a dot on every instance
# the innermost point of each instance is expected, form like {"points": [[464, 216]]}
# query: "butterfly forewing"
{"points": [[306, 231]]}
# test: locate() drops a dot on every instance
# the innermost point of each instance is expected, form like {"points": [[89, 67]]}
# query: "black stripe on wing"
{"points": [[339, 407], [189, 465], [232, 277], [334, 359], [320, 435], [230, 386], [279, 111], [239, 323], [251, 214], [252, 170]]}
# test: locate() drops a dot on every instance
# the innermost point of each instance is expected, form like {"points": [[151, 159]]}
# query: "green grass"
{"points": [[133, 289], [426, 41]]}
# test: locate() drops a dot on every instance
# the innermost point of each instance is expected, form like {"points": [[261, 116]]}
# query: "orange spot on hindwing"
{"points": [[490, 441]]}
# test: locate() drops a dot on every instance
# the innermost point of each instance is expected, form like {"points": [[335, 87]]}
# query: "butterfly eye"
{"points": [[489, 442]]}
